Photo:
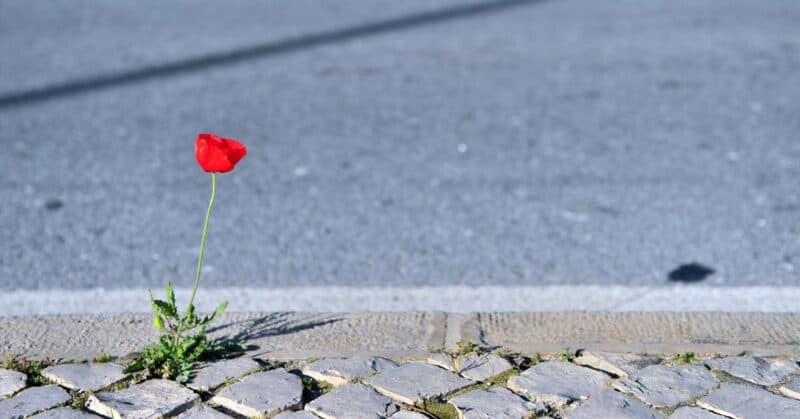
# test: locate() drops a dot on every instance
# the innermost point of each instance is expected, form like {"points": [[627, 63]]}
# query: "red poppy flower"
{"points": [[217, 154]]}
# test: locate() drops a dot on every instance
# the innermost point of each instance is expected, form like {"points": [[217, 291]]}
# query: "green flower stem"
{"points": [[203, 240], [200, 259]]}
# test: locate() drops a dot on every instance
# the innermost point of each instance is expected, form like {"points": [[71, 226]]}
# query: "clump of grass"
{"points": [[464, 348], [103, 358], [32, 369], [685, 358]]}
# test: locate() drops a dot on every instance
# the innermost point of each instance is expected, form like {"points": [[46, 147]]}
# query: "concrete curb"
{"points": [[453, 298], [411, 335]]}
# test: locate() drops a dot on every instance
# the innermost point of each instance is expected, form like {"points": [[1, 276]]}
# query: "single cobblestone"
{"points": [[791, 389], [211, 376], [407, 414], [557, 383], [65, 413], [32, 400], [338, 371], [748, 402], [620, 365], [416, 381], [609, 404], [482, 367], [302, 414], [84, 377], [11, 382], [261, 394], [494, 403], [202, 412], [668, 385], [756, 370], [352, 401], [152, 398], [442, 360], [689, 412]]}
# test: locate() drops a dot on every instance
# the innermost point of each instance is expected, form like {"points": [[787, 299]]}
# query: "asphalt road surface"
{"points": [[401, 143]]}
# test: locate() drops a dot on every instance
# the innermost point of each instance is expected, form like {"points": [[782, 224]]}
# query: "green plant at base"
{"points": [[176, 354]]}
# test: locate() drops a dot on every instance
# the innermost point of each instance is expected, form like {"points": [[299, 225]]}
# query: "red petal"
{"points": [[217, 154]]}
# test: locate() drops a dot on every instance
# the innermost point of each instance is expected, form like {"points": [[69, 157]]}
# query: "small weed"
{"points": [[567, 355], [501, 379], [465, 347], [103, 358], [312, 360], [536, 358], [8, 363], [79, 401], [313, 388], [439, 409], [685, 358], [33, 369], [121, 385]]}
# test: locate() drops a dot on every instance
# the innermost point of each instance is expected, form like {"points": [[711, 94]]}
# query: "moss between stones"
{"points": [[440, 410], [313, 388], [32, 369]]}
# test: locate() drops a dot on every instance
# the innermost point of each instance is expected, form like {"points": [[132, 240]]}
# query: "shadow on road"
{"points": [[254, 52]]}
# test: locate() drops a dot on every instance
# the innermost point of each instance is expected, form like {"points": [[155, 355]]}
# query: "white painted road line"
{"points": [[448, 298]]}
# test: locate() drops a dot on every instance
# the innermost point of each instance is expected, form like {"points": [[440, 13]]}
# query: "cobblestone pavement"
{"points": [[468, 382]]}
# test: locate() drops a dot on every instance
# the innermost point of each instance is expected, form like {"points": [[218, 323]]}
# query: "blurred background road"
{"points": [[401, 144]]}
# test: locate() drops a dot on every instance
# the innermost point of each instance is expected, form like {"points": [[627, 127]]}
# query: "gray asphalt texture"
{"points": [[400, 143]]}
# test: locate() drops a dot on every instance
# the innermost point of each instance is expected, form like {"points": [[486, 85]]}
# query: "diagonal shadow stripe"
{"points": [[193, 64]]}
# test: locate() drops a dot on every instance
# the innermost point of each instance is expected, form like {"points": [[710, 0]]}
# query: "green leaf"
{"points": [[136, 366], [158, 322], [171, 296], [164, 309], [166, 344], [220, 309]]}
